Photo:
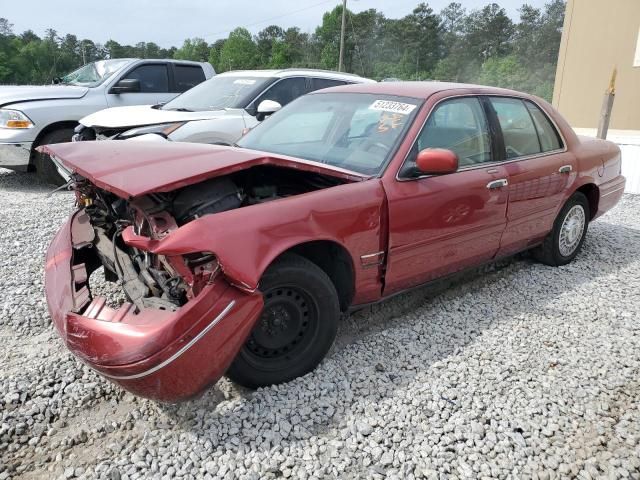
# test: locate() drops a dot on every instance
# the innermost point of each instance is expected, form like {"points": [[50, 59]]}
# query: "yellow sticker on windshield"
{"points": [[390, 121], [393, 107]]}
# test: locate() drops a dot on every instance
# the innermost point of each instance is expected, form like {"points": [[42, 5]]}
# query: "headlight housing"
{"points": [[14, 119], [164, 129]]}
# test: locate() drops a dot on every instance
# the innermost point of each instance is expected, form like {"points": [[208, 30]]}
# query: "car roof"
{"points": [[298, 72], [172, 60], [421, 90]]}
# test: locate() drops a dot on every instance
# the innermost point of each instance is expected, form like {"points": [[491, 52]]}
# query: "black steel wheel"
{"points": [[296, 328]]}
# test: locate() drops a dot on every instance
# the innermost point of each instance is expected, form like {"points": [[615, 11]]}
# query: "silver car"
{"points": [[38, 115], [216, 111]]}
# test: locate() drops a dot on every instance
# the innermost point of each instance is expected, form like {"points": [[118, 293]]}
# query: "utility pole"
{"points": [[607, 106], [344, 17]]}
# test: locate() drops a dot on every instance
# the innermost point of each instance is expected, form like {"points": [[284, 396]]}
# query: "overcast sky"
{"points": [[169, 22]]}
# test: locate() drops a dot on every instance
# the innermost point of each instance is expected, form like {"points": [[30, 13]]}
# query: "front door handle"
{"points": [[565, 169], [497, 184]]}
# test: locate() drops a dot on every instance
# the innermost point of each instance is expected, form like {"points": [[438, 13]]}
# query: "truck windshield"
{"points": [[93, 74], [222, 91]]}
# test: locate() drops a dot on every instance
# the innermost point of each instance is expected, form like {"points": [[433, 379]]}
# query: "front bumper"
{"points": [[158, 354], [15, 155]]}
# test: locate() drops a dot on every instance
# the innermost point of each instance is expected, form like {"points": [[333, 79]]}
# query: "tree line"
{"points": [[481, 46]]}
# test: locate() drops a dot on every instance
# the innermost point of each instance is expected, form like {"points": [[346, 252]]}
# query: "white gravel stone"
{"points": [[524, 371]]}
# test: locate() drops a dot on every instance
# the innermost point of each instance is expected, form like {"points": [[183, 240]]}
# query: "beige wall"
{"points": [[599, 35]]}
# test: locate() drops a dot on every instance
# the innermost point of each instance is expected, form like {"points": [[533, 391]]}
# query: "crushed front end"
{"points": [[183, 321]]}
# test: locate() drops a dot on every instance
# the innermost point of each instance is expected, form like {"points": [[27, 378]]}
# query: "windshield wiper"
{"points": [[181, 109]]}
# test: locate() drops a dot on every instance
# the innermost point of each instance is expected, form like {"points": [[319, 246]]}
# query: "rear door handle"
{"points": [[565, 169], [497, 184]]}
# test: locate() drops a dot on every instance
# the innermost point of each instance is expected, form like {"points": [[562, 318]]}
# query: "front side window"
{"points": [[284, 91], [549, 138], [153, 78], [354, 131], [519, 132], [458, 125]]}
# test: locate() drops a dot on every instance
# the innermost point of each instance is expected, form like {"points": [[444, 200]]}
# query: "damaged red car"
{"points": [[240, 261]]}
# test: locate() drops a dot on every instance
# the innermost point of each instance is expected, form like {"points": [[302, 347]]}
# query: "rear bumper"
{"points": [[15, 155], [158, 354], [610, 194]]}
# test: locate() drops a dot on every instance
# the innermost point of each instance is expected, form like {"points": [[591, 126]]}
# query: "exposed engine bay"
{"points": [[163, 282]]}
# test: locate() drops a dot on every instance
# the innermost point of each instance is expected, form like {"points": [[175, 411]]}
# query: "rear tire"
{"points": [[569, 231], [296, 328], [45, 167]]}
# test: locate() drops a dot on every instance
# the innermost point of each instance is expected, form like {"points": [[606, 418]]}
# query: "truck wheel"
{"points": [[569, 231], [45, 168], [297, 326]]}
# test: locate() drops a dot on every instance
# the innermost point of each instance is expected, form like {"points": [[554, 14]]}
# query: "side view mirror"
{"points": [[127, 85], [436, 161], [266, 108]]}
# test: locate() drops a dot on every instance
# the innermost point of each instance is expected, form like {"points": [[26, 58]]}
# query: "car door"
{"points": [[539, 170], [442, 224], [154, 86]]}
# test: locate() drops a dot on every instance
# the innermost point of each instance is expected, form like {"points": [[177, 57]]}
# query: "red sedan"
{"points": [[239, 261]]}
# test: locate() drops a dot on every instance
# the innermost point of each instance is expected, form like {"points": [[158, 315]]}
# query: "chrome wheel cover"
{"points": [[571, 230]]}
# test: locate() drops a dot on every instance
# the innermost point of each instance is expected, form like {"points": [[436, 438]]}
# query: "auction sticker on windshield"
{"points": [[244, 81], [391, 106]]}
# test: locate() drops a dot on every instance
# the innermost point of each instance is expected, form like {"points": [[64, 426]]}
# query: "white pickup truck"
{"points": [[39, 115]]}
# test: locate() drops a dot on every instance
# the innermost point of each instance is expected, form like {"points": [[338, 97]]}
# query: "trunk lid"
{"points": [[130, 169]]}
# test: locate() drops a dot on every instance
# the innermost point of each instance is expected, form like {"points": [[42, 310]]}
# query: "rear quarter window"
{"points": [[549, 137]]}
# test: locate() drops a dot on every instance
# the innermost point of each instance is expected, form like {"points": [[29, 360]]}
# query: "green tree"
{"points": [[489, 32], [214, 53], [239, 51], [265, 41], [195, 49]]}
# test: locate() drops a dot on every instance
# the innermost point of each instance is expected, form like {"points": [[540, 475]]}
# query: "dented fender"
{"points": [[247, 240]]}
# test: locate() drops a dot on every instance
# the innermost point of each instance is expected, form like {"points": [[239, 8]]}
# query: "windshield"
{"points": [[222, 91], [354, 131], [93, 74]]}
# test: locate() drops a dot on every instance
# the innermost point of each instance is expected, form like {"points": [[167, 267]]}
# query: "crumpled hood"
{"points": [[11, 94], [142, 115], [131, 169]]}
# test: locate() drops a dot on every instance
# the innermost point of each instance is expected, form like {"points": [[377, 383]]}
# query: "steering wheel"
{"points": [[370, 144]]}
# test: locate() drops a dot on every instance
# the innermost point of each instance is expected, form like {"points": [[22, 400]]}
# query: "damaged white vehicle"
{"points": [[217, 111]]}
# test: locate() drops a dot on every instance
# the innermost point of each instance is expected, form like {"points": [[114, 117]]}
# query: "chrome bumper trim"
{"points": [[173, 357]]}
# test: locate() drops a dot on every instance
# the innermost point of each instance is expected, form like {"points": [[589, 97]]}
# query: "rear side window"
{"points": [[320, 83], [187, 76], [153, 78], [519, 132], [549, 138]]}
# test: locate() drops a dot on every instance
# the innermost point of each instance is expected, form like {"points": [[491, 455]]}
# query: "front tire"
{"points": [[296, 328], [569, 231], [45, 167]]}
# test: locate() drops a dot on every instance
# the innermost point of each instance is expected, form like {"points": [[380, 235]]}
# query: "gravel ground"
{"points": [[524, 372]]}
